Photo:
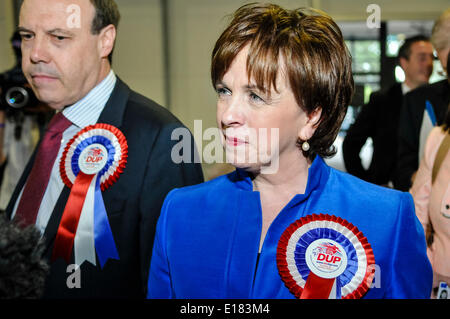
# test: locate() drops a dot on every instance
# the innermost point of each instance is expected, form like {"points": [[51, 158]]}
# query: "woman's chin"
{"points": [[253, 168]]}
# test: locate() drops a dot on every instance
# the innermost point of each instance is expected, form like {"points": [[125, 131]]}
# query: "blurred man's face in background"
{"points": [[419, 66]]}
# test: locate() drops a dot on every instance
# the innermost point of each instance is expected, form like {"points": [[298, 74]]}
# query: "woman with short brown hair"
{"points": [[284, 224], [317, 62]]}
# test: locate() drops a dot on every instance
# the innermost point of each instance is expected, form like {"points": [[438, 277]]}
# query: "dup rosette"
{"points": [[76, 155], [323, 256], [91, 162]]}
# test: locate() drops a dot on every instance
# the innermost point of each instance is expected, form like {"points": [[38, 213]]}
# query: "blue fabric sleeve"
{"points": [[159, 281], [411, 273]]}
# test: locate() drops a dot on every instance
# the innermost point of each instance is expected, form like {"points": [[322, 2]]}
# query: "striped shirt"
{"points": [[83, 113]]}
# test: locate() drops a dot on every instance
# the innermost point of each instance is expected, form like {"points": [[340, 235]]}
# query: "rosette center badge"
{"points": [[93, 159], [91, 162], [325, 257]]}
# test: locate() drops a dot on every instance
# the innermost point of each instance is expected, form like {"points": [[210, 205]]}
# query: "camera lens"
{"points": [[17, 97]]}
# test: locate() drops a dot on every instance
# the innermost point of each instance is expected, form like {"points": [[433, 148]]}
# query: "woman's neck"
{"points": [[291, 177], [276, 190]]}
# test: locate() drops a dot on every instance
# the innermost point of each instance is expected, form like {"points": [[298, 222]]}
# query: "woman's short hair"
{"points": [[441, 29], [446, 126], [317, 62]]}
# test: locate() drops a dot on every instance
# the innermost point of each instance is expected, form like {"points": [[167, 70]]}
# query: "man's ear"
{"points": [[402, 62], [311, 123], [107, 38]]}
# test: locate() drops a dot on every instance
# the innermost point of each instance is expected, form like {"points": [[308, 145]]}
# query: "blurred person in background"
{"points": [[21, 124], [431, 193], [423, 108], [380, 117]]}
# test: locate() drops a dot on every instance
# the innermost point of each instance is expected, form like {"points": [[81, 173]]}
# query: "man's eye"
{"points": [[26, 36], [60, 38]]}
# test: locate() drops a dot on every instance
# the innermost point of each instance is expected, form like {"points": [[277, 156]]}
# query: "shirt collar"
{"points": [[405, 88], [86, 111]]}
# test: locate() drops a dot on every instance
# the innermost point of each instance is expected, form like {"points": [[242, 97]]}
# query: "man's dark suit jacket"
{"points": [[133, 203], [411, 118], [379, 120]]}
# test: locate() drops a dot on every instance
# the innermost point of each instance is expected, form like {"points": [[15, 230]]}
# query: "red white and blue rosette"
{"points": [[325, 257], [91, 162]]}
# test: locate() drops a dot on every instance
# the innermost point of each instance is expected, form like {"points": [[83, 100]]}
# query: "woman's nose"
{"points": [[233, 114]]}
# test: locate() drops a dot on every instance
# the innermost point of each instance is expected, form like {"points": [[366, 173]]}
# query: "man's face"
{"points": [[419, 66], [62, 59]]}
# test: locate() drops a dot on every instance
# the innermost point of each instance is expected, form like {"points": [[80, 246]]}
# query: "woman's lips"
{"points": [[234, 141]]}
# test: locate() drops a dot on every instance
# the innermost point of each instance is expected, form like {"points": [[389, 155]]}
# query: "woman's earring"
{"points": [[305, 146]]}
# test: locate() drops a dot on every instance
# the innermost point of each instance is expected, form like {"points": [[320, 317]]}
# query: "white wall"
{"points": [[7, 59], [351, 10], [138, 54]]}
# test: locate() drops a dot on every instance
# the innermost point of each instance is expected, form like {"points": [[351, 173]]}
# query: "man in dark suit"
{"points": [[423, 108], [68, 64], [379, 118]]}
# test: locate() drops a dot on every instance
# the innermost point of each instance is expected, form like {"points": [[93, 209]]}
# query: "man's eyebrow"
{"points": [[52, 31], [22, 29], [61, 31]]}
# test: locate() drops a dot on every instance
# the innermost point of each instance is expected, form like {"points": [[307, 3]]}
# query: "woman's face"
{"points": [[257, 130]]}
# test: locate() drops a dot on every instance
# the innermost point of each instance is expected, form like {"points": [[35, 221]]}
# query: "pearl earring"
{"points": [[305, 146]]}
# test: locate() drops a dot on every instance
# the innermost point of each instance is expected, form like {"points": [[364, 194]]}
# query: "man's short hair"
{"points": [[106, 13], [405, 48]]}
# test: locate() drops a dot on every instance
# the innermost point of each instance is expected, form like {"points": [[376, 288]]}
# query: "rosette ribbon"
{"points": [[325, 257], [91, 162]]}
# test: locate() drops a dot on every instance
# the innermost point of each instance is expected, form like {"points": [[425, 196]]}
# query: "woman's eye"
{"points": [[223, 91], [256, 98]]}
